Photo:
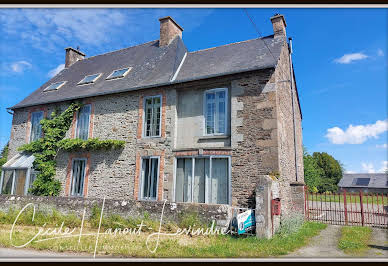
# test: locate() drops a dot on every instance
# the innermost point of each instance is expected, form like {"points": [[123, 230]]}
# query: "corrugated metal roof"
{"points": [[154, 66], [20, 160], [377, 180]]}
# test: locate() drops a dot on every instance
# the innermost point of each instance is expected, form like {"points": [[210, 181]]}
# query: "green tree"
{"points": [[313, 174], [332, 171], [4, 155]]}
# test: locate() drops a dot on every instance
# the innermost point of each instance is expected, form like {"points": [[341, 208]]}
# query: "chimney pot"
{"points": [[279, 25], [169, 29], [72, 56]]}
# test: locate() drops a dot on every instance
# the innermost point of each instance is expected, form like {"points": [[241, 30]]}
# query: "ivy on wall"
{"points": [[46, 149]]}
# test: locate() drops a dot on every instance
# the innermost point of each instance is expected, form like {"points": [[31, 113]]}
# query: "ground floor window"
{"points": [[15, 182], [78, 177], [149, 178], [202, 180]]}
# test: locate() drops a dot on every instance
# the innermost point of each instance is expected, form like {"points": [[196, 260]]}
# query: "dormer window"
{"points": [[119, 73], [55, 86], [89, 79]]}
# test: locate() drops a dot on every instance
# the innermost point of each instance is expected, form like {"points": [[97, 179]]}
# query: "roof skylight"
{"points": [[55, 86], [89, 79], [119, 73]]}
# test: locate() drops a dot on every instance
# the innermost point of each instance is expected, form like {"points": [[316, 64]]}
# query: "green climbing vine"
{"points": [[46, 149]]}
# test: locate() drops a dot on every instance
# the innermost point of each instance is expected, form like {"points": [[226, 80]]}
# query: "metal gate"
{"points": [[344, 208]]}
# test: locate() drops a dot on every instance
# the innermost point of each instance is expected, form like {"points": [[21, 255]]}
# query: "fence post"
{"points": [[345, 208], [362, 209]]}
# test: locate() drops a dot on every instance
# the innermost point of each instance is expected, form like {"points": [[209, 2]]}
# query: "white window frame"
{"points": [[85, 83], [29, 139], [144, 128], [140, 196], [210, 157], [76, 121], [71, 176], [226, 112], [57, 88], [26, 185], [125, 73]]}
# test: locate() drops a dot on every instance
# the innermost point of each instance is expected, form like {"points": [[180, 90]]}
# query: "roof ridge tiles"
{"points": [[228, 44]]}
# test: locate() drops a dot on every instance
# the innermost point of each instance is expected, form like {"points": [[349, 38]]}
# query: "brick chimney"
{"points": [[169, 29], [279, 25], [72, 56]]}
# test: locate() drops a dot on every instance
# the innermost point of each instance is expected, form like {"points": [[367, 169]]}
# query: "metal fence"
{"points": [[360, 208]]}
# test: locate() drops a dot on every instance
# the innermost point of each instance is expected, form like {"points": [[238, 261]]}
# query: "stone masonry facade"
{"points": [[261, 137]]}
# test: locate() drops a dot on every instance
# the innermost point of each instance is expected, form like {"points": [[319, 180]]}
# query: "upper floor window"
{"points": [[89, 79], [152, 116], [215, 110], [55, 86], [119, 73], [78, 177], [36, 127], [83, 121]]}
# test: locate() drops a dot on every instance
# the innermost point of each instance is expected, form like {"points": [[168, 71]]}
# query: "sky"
{"points": [[340, 62]]}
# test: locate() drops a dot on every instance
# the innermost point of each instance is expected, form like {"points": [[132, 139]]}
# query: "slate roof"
{"points": [[154, 66], [377, 180]]}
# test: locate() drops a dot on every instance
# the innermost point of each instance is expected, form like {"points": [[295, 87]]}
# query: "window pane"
{"points": [[119, 73], [78, 176], [7, 182], [89, 79], [36, 127], [183, 180], [201, 172], [210, 108], [20, 182], [154, 182], [33, 176], [219, 181], [221, 112], [83, 122], [215, 112]]}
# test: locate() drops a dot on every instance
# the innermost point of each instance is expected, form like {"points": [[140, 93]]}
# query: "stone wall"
{"points": [[126, 208], [254, 134], [285, 124]]}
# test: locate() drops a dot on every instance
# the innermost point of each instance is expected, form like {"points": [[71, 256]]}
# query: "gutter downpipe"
{"points": [[293, 108]]}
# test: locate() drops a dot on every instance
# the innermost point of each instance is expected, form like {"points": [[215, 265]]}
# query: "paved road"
{"points": [[325, 245], [23, 253]]}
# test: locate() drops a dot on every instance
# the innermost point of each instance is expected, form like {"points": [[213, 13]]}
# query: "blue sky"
{"points": [[340, 60]]}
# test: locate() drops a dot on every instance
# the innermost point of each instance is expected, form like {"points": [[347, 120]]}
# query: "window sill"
{"points": [[214, 137]]}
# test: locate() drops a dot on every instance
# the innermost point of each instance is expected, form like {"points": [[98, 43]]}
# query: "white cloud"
{"points": [[380, 52], [350, 172], [98, 29], [356, 134], [368, 167], [383, 146], [384, 167], [20, 66], [349, 58], [55, 71]]}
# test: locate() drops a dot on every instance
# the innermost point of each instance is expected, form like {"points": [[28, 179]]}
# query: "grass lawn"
{"points": [[354, 198], [354, 239], [182, 246]]}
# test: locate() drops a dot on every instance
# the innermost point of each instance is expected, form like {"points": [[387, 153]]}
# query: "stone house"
{"points": [[199, 127]]}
